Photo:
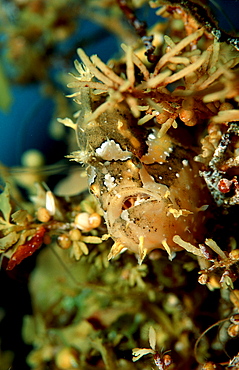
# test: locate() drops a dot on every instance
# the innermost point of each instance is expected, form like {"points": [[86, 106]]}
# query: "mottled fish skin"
{"points": [[148, 186]]}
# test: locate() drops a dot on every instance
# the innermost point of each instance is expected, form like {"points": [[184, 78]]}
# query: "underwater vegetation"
{"points": [[138, 267]]}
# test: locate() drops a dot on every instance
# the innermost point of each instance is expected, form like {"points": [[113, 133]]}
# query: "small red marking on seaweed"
{"points": [[27, 249]]}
